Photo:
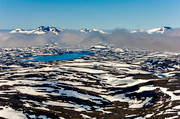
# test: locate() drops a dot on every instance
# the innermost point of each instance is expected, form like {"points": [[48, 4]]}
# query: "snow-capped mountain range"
{"points": [[44, 29], [39, 30], [47, 29], [155, 30]]}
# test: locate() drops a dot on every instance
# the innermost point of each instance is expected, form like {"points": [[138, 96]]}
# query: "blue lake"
{"points": [[63, 56], [162, 75]]}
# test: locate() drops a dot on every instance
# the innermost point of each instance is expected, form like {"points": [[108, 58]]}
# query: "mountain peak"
{"points": [[155, 30], [87, 30], [159, 30], [167, 27], [39, 30]]}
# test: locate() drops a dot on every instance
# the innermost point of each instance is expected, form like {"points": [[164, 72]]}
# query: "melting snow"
{"points": [[10, 113]]}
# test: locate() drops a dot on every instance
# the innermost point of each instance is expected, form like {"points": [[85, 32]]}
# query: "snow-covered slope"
{"points": [[20, 31], [114, 83], [87, 30], [155, 30], [39, 30]]}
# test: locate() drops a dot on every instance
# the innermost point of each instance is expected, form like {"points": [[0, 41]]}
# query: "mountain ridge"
{"points": [[161, 30], [47, 29], [39, 30]]}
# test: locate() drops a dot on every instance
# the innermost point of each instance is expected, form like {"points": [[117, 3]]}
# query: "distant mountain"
{"points": [[44, 29], [155, 30], [39, 30], [55, 30], [87, 30]]}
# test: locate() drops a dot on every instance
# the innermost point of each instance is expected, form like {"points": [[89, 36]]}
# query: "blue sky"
{"points": [[75, 14]]}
